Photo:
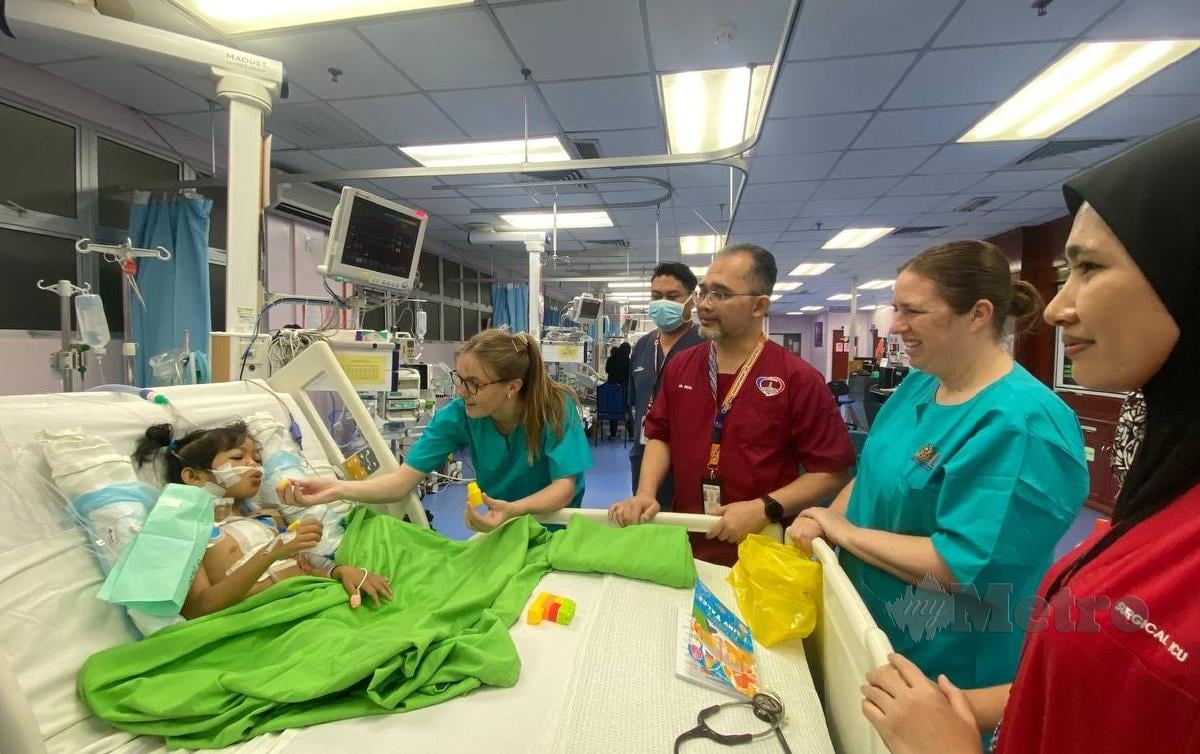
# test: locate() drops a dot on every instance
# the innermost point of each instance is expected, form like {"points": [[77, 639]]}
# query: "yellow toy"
{"points": [[552, 608], [474, 494]]}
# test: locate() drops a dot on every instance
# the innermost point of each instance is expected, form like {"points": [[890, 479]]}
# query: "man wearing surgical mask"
{"points": [[671, 305]]}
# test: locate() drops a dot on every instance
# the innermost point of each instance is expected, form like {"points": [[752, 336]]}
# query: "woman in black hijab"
{"points": [[1112, 659]]}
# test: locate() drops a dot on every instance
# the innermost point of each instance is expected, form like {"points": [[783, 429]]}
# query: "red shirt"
{"points": [[784, 417], [1132, 682]]}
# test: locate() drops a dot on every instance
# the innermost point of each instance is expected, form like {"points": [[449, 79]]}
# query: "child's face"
{"points": [[247, 454]]}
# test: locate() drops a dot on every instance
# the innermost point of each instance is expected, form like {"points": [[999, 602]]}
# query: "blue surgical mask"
{"points": [[668, 315]]}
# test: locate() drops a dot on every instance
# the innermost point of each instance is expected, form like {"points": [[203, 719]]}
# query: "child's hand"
{"points": [[307, 534], [356, 580]]}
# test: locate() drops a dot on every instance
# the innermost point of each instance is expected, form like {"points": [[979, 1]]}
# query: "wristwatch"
{"points": [[772, 509]]}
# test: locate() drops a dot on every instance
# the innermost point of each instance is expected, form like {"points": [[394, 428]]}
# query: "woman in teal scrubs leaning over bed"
{"points": [[521, 428], [972, 472]]}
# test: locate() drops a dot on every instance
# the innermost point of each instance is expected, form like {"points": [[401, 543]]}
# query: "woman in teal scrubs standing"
{"points": [[521, 428], [972, 472]]}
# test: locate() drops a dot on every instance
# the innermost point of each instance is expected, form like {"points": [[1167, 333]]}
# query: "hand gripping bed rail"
{"points": [[318, 362]]}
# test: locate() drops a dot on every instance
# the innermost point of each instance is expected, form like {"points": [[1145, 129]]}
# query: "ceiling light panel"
{"points": [[876, 285], [470, 153], [244, 16], [839, 297], [710, 110], [563, 221], [812, 268], [709, 244], [856, 238], [784, 287], [1089, 76]]}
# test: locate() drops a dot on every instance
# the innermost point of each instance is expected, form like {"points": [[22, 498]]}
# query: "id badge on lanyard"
{"points": [[711, 493]]}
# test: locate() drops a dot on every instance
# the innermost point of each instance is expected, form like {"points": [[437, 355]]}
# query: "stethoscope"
{"points": [[766, 706]]}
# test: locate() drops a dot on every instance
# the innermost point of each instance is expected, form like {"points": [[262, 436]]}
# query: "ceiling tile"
{"points": [[1022, 180], [855, 188], [935, 184], [696, 195], [316, 125], [309, 55], [1128, 116], [768, 210], [818, 133], [1150, 19], [952, 203], [301, 161], [686, 176], [577, 38], [411, 188], [632, 217], [364, 158], [975, 158], [677, 27], [906, 203], [449, 205], [834, 207], [933, 125], [407, 119], [590, 105], [986, 22], [626, 142], [431, 50], [635, 195], [496, 113], [971, 75], [834, 86], [1014, 216], [202, 124], [873, 163], [766, 240], [792, 167], [791, 191], [129, 84], [850, 27], [762, 226], [1045, 200]]}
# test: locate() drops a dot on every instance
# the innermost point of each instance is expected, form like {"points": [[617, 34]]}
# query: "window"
{"points": [[470, 323], [38, 155], [113, 293], [31, 257], [428, 271], [451, 279], [485, 290], [216, 295], [433, 321], [119, 165], [452, 328], [470, 285]]}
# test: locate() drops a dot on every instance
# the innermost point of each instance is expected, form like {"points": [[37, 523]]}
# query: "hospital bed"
{"points": [[605, 683]]}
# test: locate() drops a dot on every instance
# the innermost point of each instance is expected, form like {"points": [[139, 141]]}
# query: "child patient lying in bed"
{"points": [[247, 554]]}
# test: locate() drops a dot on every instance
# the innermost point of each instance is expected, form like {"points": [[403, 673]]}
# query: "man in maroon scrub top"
{"points": [[737, 417]]}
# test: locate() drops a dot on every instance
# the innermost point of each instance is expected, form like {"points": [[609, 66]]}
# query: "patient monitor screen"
{"points": [[380, 239]]}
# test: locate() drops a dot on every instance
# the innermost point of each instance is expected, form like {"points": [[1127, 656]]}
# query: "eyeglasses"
{"points": [[469, 385], [717, 297]]}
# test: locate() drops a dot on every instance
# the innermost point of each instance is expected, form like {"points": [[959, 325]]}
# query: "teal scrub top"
{"points": [[502, 467], [994, 482]]}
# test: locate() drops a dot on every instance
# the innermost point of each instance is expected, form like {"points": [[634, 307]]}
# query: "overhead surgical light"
{"points": [[563, 221], [507, 152], [243, 16], [710, 110], [1087, 77]]}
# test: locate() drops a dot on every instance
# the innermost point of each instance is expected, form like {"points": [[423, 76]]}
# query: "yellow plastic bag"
{"points": [[778, 589]]}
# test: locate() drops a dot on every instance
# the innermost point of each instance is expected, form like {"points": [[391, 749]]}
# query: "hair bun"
{"points": [[162, 434]]}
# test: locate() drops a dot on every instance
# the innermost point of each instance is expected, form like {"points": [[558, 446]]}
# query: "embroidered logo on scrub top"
{"points": [[927, 456], [770, 386]]}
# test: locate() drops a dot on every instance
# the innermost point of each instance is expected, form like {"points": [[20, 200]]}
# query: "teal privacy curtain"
{"points": [[176, 291], [510, 306]]}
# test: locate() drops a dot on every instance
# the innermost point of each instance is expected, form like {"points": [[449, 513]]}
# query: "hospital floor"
{"points": [[608, 481]]}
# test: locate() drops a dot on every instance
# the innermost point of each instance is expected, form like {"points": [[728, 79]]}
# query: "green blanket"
{"points": [[298, 655]]}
